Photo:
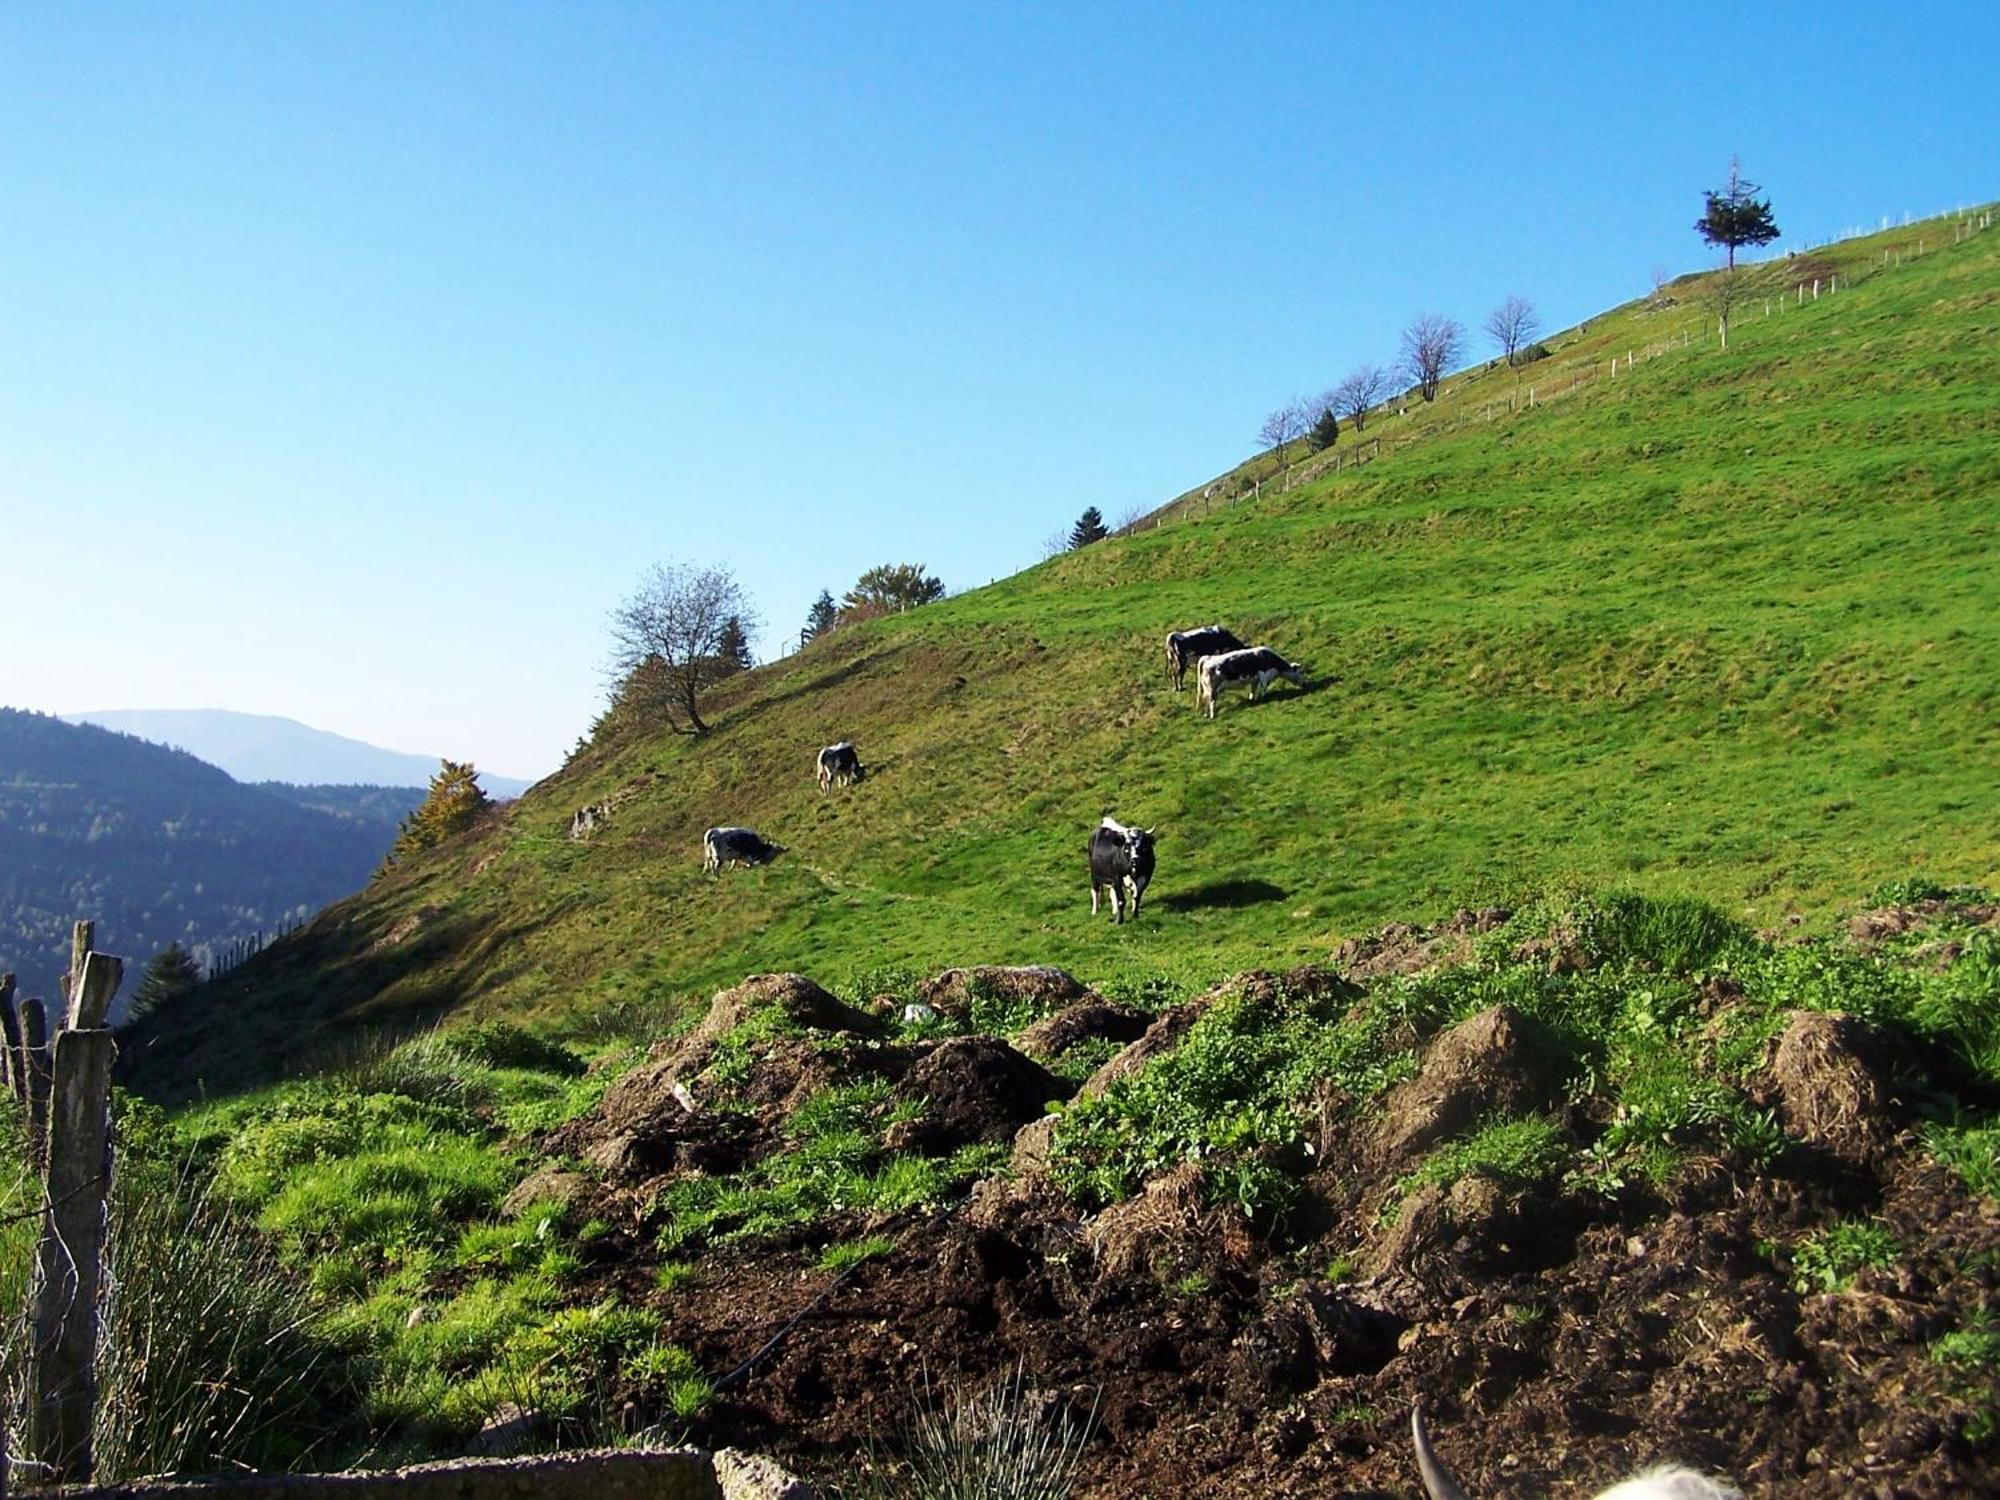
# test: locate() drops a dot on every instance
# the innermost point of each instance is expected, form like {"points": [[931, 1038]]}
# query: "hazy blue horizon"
{"points": [[363, 354]]}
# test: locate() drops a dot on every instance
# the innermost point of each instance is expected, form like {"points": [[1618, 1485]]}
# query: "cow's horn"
{"points": [[1438, 1481]]}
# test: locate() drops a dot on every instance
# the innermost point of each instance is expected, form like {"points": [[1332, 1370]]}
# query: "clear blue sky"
{"points": [[354, 359]]}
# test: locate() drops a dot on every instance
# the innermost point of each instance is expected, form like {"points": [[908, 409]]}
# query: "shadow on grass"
{"points": [[1222, 894]]}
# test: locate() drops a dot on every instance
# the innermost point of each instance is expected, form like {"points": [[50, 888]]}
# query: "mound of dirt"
{"points": [[1089, 1020], [1832, 1079], [1498, 1062], [661, 1089], [1870, 929], [1044, 986], [1561, 1334], [971, 1089], [1401, 948]]}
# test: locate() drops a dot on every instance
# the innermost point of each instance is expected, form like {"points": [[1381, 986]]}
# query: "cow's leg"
{"points": [[1117, 901], [1093, 898], [1132, 895]]}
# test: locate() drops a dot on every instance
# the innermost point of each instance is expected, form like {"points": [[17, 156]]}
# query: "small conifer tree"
{"points": [[455, 802], [169, 974], [1736, 215], [732, 649], [822, 616], [1325, 428], [1089, 528]]}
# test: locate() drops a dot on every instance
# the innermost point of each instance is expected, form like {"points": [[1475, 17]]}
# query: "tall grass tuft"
{"points": [[207, 1360], [1004, 1443]]}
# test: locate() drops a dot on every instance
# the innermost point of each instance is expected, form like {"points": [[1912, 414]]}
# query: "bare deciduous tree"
{"points": [[668, 638], [1358, 393], [1512, 326], [1281, 427], [1722, 293], [1431, 345]]}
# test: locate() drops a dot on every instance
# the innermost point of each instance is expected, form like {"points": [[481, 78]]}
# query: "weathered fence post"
{"points": [[35, 1071], [11, 1040], [69, 1260]]}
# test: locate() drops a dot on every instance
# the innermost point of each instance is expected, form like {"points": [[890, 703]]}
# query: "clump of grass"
{"points": [[846, 1254], [670, 1373], [672, 1275], [1972, 1149], [501, 1044], [1002, 1443], [1518, 1153], [1912, 890], [1972, 1355], [1829, 1260], [1223, 1096], [212, 1358], [835, 1163]]}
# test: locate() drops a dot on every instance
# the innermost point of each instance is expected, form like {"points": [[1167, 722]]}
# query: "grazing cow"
{"points": [[736, 846], [1121, 859], [1186, 647], [840, 763], [1259, 666], [1668, 1482]]}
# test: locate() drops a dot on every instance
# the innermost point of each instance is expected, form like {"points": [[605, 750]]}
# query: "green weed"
{"points": [[1828, 1260]]}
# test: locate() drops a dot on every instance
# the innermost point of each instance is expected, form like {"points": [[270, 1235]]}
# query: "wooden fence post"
{"points": [[69, 1261], [35, 1067], [11, 1040]]}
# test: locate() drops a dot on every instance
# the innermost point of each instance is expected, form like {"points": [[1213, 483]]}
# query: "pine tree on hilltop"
{"points": [[169, 974], [455, 802], [822, 616], [1089, 528], [1736, 215]]}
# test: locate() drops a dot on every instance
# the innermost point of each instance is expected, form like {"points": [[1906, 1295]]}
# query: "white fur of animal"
{"points": [[1257, 665], [1668, 1482]]}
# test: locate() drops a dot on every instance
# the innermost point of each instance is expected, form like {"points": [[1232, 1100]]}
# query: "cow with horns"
{"points": [[1186, 647], [1121, 860], [1258, 665], [736, 846], [1668, 1482], [841, 763]]}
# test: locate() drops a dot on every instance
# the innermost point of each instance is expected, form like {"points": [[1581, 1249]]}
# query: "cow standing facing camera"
{"points": [[1121, 859]]}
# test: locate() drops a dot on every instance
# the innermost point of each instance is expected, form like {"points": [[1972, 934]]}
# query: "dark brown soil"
{"points": [[1559, 1339]]}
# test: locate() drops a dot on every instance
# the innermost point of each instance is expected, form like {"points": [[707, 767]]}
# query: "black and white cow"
{"points": [[1259, 666], [1186, 647], [841, 763], [1121, 859], [736, 846]]}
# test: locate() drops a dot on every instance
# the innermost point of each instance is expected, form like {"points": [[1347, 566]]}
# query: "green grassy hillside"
{"points": [[1718, 624]]}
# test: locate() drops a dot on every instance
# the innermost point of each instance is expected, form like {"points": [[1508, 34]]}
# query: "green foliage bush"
{"points": [[1828, 1260]]}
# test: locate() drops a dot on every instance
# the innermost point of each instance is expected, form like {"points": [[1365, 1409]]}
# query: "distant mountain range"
{"points": [[159, 847], [263, 747]]}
